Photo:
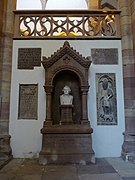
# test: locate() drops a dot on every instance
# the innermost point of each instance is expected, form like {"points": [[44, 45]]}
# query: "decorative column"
{"points": [[48, 90], [128, 148], [84, 91], [6, 35]]}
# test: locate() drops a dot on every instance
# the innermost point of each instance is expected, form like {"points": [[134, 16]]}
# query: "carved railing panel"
{"points": [[50, 24]]}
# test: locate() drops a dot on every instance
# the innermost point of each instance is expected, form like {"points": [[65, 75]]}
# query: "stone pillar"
{"points": [[1, 25], [133, 21], [6, 42], [128, 148]]}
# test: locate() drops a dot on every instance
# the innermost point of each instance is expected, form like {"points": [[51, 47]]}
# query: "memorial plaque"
{"points": [[28, 58], [106, 99], [104, 56], [28, 101]]}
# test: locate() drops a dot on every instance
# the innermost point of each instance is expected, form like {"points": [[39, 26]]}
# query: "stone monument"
{"points": [[66, 131]]}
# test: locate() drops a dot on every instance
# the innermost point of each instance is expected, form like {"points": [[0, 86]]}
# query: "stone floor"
{"points": [[104, 169]]}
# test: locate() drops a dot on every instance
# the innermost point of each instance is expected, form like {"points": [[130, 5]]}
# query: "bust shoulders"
{"points": [[66, 99]]}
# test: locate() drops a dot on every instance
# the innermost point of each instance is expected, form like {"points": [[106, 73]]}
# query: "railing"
{"points": [[66, 24]]}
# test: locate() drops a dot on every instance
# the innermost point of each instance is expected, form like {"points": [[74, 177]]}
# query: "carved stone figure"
{"points": [[106, 99], [66, 98]]}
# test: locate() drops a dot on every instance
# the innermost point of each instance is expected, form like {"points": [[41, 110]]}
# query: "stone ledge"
{"points": [[67, 129]]}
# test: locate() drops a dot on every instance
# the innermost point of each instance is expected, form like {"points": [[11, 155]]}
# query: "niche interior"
{"points": [[68, 142], [69, 78]]}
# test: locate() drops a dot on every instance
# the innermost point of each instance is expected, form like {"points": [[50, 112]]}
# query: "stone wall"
{"points": [[133, 21], [128, 37], [1, 25], [25, 133]]}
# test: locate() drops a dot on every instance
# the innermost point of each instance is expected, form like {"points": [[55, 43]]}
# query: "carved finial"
{"points": [[89, 58], [66, 43]]}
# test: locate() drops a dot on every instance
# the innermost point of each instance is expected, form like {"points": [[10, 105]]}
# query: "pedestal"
{"points": [[66, 114], [128, 147], [67, 144]]}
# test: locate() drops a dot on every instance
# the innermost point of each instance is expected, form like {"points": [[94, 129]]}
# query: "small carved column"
{"points": [[84, 91], [6, 35], [48, 90]]}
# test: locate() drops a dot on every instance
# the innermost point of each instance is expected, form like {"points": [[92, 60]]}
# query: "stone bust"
{"points": [[66, 98]]}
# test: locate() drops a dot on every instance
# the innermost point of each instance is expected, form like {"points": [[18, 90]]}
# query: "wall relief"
{"points": [[106, 99]]}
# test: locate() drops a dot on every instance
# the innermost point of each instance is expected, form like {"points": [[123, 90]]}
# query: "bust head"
{"points": [[66, 90]]}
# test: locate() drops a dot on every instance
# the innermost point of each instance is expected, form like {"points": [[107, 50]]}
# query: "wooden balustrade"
{"points": [[66, 24]]}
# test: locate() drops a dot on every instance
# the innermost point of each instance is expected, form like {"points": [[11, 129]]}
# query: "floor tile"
{"points": [[106, 169], [90, 169], [30, 167], [124, 169], [102, 161], [100, 177], [60, 172], [58, 176], [32, 177], [128, 178]]}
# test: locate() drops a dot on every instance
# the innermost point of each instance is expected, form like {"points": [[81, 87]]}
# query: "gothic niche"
{"points": [[106, 99], [62, 79], [66, 131]]}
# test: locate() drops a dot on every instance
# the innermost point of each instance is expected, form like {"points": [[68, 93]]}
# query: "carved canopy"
{"points": [[66, 58]]}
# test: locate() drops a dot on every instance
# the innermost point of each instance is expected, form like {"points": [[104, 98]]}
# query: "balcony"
{"points": [[71, 24]]}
